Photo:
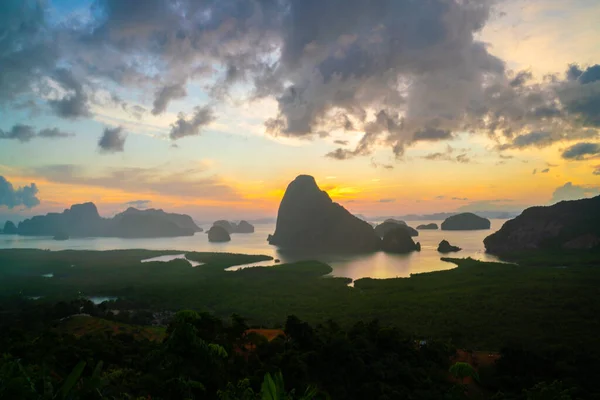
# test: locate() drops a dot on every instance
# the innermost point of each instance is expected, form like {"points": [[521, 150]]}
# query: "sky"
{"points": [[212, 107]]}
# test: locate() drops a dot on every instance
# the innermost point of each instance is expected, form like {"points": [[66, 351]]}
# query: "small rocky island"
{"points": [[465, 222], [568, 225], [392, 224], [309, 220], [399, 241], [446, 247], [83, 220], [218, 234], [61, 236], [431, 226], [232, 227]]}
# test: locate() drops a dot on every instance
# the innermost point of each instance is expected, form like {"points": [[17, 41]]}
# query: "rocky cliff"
{"points": [[568, 225], [309, 220]]}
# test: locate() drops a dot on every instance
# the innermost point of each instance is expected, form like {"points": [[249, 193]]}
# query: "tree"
{"points": [[463, 370]]}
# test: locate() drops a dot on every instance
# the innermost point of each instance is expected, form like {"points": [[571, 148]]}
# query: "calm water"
{"points": [[375, 265]]}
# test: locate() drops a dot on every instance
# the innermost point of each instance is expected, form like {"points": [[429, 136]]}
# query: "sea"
{"points": [[377, 265]]}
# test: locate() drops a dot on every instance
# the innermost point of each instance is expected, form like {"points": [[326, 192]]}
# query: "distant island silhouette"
{"points": [[232, 227], [83, 220], [465, 222]]}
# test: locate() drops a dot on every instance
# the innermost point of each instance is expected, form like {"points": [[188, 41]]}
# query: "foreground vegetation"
{"points": [[477, 305], [202, 357]]}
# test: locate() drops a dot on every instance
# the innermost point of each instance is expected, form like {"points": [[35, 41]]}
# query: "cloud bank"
{"points": [[395, 71]]}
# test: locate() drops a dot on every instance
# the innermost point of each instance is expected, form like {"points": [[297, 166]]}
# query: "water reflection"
{"points": [[172, 257], [374, 265]]}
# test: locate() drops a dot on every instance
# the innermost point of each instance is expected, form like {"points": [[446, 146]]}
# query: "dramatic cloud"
{"points": [[24, 133], [139, 204], [582, 151], [398, 71], [24, 196], [193, 182], [112, 140], [166, 94], [573, 192], [183, 127]]}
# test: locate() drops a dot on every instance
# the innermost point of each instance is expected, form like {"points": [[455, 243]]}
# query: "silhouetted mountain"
{"points": [[465, 222], [443, 215], [446, 247], [309, 220], [568, 225], [431, 226], [391, 224], [399, 240], [83, 220], [9, 228], [244, 227], [218, 234], [232, 227]]}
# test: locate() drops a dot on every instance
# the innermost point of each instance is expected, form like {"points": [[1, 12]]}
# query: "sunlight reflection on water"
{"points": [[374, 265]]}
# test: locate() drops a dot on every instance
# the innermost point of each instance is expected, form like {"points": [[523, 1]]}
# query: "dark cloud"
{"points": [[25, 196], [582, 151], [432, 134], [341, 142], [53, 133], [583, 98], [573, 72], [573, 192], [112, 140], [28, 49], [596, 170], [167, 93], [183, 127], [590, 75], [24, 133], [139, 204], [538, 139], [387, 200], [521, 78], [75, 103], [187, 182], [545, 171]]}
